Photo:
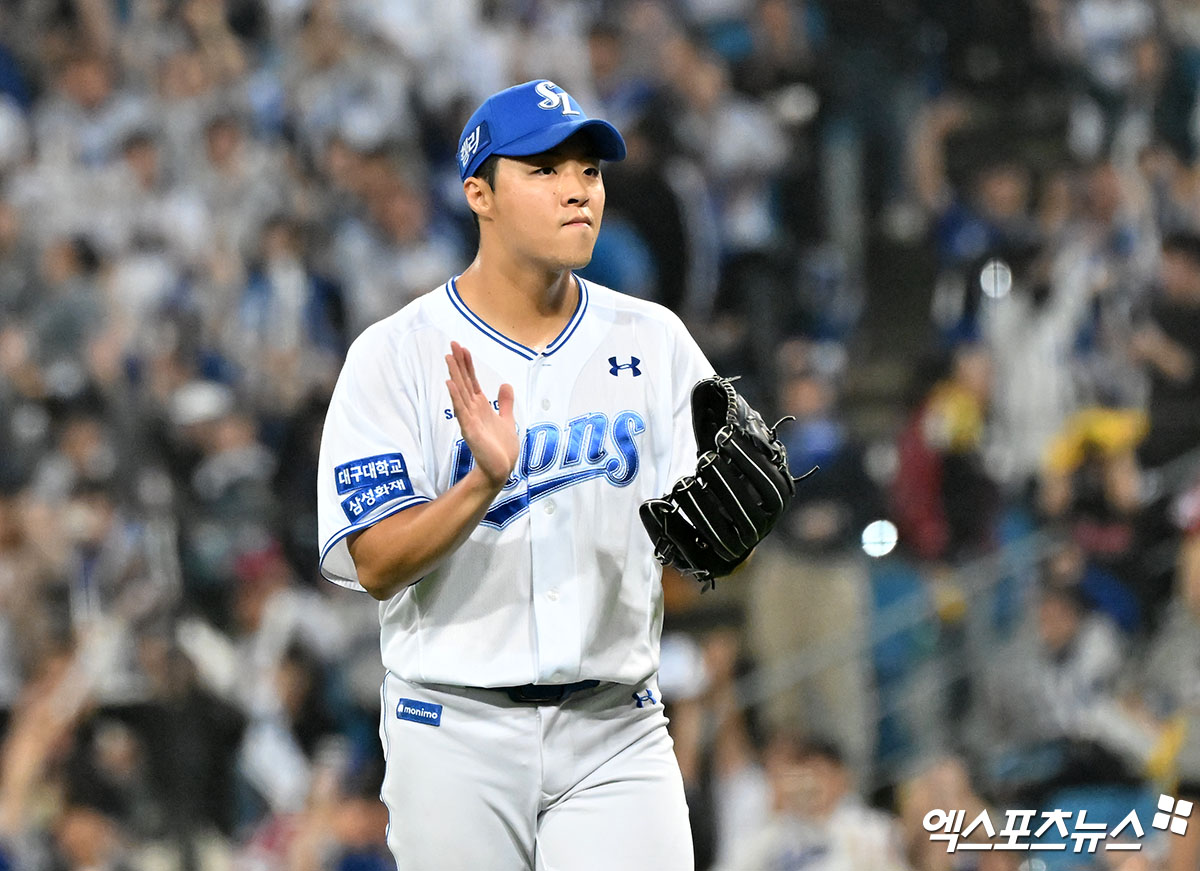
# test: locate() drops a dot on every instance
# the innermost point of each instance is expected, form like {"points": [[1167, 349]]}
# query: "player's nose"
{"points": [[574, 188]]}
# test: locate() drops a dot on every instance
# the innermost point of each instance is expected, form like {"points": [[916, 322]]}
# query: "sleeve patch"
{"points": [[359, 504], [371, 482], [370, 472]]}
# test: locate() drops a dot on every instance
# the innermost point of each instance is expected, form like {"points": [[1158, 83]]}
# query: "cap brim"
{"points": [[606, 142]]}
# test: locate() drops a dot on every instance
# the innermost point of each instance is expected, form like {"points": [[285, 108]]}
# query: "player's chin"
{"points": [[582, 250], [574, 257]]}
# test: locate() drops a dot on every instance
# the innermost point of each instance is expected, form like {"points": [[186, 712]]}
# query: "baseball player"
{"points": [[484, 459]]}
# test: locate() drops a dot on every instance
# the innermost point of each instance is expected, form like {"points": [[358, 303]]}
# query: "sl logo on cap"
{"points": [[554, 98], [475, 140]]}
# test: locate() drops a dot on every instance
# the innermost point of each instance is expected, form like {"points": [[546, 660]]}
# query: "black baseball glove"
{"points": [[709, 522]]}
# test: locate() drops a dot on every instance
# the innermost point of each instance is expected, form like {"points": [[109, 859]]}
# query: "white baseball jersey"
{"points": [[558, 583]]}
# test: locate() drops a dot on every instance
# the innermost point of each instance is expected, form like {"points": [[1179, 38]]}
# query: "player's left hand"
{"points": [[490, 432], [709, 522]]}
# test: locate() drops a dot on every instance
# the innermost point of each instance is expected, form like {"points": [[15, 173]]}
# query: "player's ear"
{"points": [[480, 196]]}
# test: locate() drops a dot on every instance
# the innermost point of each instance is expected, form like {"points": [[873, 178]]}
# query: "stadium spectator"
{"points": [[16, 264], [1034, 304], [717, 751], [241, 181], [1167, 681], [86, 120], [1047, 710], [1104, 39], [289, 329], [943, 498], [809, 586], [1167, 342], [816, 820], [393, 255], [943, 782]]}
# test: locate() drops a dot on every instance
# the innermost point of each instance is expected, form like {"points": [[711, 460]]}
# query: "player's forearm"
{"points": [[400, 550]]}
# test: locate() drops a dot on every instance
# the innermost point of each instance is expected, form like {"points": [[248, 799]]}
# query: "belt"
{"points": [[545, 694]]}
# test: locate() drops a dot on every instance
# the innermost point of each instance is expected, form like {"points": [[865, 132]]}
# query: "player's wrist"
{"points": [[485, 485]]}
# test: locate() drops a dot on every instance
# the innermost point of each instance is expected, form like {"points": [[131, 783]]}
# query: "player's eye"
{"points": [[544, 170], [593, 171]]}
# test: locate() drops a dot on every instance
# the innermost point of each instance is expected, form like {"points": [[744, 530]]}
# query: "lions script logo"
{"points": [[554, 458]]}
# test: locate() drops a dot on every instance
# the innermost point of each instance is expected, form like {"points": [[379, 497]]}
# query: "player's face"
{"points": [[547, 208]]}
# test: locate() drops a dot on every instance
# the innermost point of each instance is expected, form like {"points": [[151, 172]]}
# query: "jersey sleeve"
{"points": [[689, 365], [371, 462]]}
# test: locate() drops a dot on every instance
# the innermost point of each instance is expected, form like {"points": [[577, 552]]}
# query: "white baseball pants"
{"points": [[477, 782]]}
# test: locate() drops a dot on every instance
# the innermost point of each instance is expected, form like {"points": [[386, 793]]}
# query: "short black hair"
{"points": [[800, 746], [1183, 243], [605, 30], [486, 171], [139, 138], [1069, 594]]}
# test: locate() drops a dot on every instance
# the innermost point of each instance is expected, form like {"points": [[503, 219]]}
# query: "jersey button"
{"points": [[552, 595], [550, 507], [545, 405]]}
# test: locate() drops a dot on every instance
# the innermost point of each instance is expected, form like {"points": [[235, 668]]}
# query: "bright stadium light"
{"points": [[879, 538], [995, 279]]}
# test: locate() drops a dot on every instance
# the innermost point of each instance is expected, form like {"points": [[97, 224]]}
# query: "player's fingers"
{"points": [[460, 358], [455, 356], [470, 388], [456, 373], [464, 413], [470, 370], [455, 398], [504, 399]]}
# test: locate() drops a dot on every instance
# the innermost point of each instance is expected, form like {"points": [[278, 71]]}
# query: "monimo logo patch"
{"points": [[419, 712]]}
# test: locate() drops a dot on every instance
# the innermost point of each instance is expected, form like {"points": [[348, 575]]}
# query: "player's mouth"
{"points": [[579, 221]]}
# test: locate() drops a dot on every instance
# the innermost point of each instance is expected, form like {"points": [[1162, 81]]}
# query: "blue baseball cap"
{"points": [[529, 119]]}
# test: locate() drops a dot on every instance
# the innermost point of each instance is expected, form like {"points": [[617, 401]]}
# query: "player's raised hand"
{"points": [[490, 433]]}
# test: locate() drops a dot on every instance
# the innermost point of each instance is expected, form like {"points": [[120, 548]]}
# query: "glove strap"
{"points": [[707, 581], [775, 426], [806, 474]]}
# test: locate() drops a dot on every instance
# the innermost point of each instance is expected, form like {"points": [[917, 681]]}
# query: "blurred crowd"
{"points": [[203, 202]]}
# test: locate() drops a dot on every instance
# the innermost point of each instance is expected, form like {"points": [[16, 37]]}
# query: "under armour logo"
{"points": [[632, 365], [642, 701]]}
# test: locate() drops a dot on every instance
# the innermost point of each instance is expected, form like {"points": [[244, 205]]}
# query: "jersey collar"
{"points": [[516, 347]]}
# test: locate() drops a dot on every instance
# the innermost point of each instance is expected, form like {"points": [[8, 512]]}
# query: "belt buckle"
{"points": [[548, 694], [539, 694]]}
